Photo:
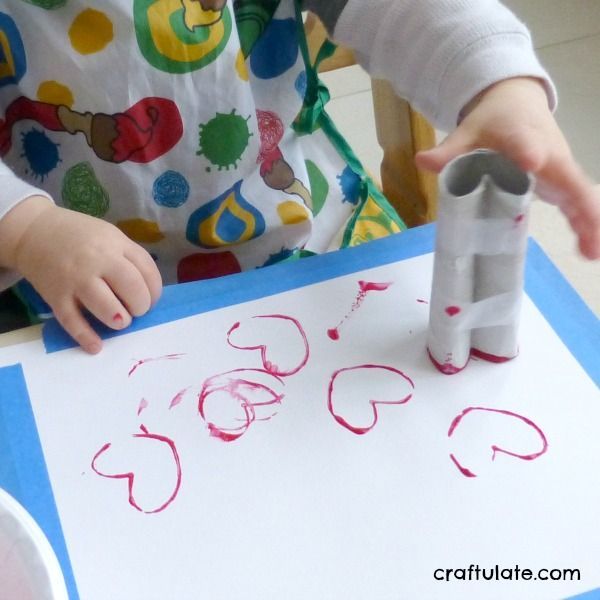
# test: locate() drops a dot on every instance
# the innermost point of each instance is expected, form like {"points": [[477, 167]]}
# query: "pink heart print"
{"points": [[497, 414], [358, 411], [281, 341], [231, 402], [144, 445]]}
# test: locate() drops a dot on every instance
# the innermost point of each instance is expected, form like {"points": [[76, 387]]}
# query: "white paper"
{"points": [[322, 495]]}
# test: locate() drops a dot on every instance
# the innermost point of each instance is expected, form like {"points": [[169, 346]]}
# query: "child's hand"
{"points": [[79, 262], [512, 117]]}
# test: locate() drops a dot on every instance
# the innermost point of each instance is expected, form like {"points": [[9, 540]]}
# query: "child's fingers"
{"points": [[69, 316], [143, 262], [457, 143], [99, 299], [563, 182], [525, 148], [128, 284]]}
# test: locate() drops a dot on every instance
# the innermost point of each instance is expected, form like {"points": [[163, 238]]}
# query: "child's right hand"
{"points": [[78, 262]]}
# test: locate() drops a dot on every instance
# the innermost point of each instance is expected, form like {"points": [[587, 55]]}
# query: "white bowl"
{"points": [[29, 569]]}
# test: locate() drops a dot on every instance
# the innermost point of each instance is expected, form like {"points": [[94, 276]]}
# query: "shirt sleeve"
{"points": [[12, 191], [437, 54]]}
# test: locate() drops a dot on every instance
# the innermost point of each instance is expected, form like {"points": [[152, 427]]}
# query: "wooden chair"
{"points": [[401, 133]]}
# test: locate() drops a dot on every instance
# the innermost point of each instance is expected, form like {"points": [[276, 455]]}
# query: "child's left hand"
{"points": [[512, 117]]}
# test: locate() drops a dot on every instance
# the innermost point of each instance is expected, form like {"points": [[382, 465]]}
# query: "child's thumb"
{"points": [[437, 158]]}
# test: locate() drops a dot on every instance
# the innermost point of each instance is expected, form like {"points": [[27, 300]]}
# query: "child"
{"points": [[180, 122]]}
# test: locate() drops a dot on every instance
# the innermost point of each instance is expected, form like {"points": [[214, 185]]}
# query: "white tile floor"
{"points": [[567, 35]]}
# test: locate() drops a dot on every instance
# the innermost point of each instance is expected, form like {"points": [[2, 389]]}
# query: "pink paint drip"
{"points": [[118, 318], [142, 406], [238, 388], [269, 366], [374, 403], [177, 399], [364, 288], [130, 477], [496, 449], [144, 361]]}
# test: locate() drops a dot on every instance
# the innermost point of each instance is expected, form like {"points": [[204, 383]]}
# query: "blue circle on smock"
{"points": [[276, 50], [170, 189]]}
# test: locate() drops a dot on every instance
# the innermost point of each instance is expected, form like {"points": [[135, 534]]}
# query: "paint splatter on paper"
{"points": [[364, 287]]}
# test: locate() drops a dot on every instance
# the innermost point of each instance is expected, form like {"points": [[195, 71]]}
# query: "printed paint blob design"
{"points": [[301, 84], [274, 169], [276, 51], [350, 184], [40, 152], [141, 230], [13, 61], [270, 128], [542, 442], [231, 402], [227, 220], [53, 92], [224, 139], [170, 189], [364, 287], [142, 133], [47, 4], [285, 338], [292, 213], [199, 265], [252, 18], [155, 503], [180, 36], [372, 222], [360, 414], [319, 186], [81, 191], [91, 31]]}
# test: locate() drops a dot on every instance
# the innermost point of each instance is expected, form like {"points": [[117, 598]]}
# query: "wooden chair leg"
{"points": [[316, 34], [402, 132]]}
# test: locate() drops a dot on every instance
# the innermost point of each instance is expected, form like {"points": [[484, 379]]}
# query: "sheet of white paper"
{"points": [[326, 492]]}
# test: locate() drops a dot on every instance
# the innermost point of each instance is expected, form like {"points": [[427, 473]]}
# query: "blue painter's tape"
{"points": [[567, 313], [187, 299], [23, 472], [570, 317], [593, 595]]}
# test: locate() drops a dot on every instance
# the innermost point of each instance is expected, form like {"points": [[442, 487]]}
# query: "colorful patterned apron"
{"points": [[195, 126]]}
